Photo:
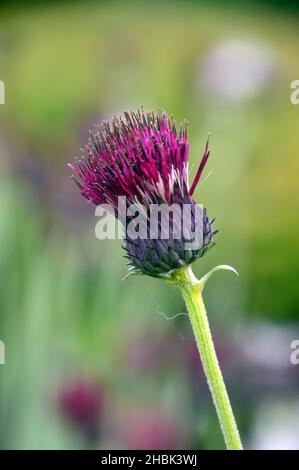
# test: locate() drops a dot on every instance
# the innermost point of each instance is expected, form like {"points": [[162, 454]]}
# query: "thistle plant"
{"points": [[140, 160]]}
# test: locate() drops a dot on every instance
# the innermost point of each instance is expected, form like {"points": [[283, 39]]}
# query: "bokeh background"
{"points": [[96, 362]]}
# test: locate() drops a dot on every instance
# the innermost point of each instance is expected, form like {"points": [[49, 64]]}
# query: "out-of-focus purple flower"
{"points": [[152, 431], [144, 158], [80, 401]]}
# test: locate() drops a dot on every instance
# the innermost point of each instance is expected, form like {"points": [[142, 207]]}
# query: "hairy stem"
{"points": [[191, 290]]}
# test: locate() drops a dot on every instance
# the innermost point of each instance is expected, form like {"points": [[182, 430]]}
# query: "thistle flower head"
{"points": [[142, 159]]}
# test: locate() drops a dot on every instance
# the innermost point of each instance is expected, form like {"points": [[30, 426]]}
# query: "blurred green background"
{"points": [[95, 362]]}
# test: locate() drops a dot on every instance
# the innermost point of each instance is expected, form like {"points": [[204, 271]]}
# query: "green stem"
{"points": [[191, 290]]}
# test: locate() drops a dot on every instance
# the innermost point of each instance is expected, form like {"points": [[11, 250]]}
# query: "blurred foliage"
{"points": [[64, 309]]}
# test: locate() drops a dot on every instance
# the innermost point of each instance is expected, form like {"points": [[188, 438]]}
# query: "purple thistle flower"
{"points": [[80, 401], [143, 157]]}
